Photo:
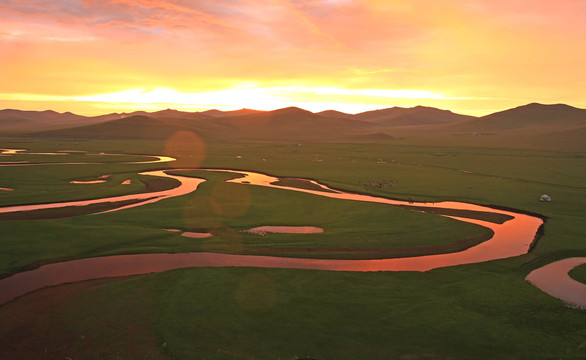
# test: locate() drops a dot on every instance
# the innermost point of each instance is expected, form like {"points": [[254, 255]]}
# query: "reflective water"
{"points": [[187, 185], [87, 182], [196, 235], [554, 280], [11, 152], [511, 238]]}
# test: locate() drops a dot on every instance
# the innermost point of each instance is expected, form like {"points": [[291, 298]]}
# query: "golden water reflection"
{"points": [[511, 238]]}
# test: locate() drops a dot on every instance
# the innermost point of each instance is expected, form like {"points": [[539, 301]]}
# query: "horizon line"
{"points": [[286, 107]]}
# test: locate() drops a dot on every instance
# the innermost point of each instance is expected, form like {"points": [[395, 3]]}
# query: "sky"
{"points": [[470, 56]]}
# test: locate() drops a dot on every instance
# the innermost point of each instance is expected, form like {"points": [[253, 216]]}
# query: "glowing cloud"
{"points": [[223, 99], [466, 55], [252, 96]]}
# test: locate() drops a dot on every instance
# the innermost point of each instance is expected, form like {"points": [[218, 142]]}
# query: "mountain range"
{"points": [[554, 124]]}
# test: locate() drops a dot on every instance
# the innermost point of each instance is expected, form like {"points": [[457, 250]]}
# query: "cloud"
{"points": [[269, 23], [456, 48], [31, 97]]}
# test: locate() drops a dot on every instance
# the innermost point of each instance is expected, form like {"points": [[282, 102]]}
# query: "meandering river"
{"points": [[555, 280], [511, 238]]}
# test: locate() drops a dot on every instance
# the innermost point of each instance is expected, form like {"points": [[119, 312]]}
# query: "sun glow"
{"points": [[165, 97], [260, 98], [86, 56]]}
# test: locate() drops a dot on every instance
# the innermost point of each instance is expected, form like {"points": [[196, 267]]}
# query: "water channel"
{"points": [[511, 238]]}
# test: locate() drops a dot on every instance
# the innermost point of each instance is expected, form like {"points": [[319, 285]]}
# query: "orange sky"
{"points": [[469, 56]]}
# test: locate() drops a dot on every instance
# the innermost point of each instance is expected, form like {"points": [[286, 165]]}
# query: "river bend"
{"points": [[511, 238]]}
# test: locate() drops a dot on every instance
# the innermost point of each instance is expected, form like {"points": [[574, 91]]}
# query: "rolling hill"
{"points": [[558, 127], [288, 124], [554, 126], [22, 121], [335, 114], [219, 113], [526, 117], [416, 116], [133, 127]]}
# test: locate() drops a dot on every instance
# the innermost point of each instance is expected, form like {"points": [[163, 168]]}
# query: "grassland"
{"points": [[579, 273], [467, 312]]}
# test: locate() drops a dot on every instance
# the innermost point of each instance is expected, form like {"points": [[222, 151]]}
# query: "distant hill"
{"points": [[535, 125], [557, 126], [219, 113], [247, 121], [290, 124], [527, 116], [540, 112], [22, 121], [133, 127], [174, 114], [416, 116], [335, 114], [47, 115]]}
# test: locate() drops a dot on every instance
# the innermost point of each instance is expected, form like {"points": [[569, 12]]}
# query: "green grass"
{"points": [[225, 210], [218, 207], [579, 273], [480, 215], [67, 211], [478, 311], [40, 184], [250, 313]]}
